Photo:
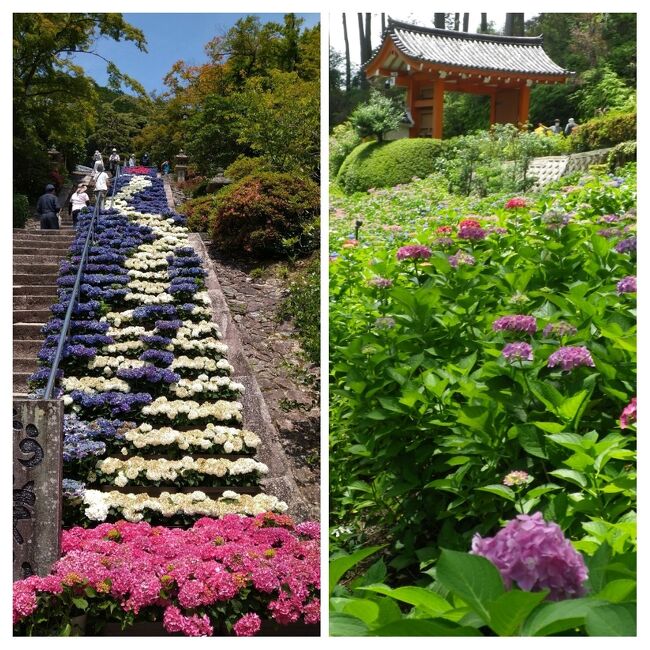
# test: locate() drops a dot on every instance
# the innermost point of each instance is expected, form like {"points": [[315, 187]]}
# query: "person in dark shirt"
{"points": [[48, 209]]}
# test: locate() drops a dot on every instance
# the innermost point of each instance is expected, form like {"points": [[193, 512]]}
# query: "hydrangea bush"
{"points": [[510, 350]]}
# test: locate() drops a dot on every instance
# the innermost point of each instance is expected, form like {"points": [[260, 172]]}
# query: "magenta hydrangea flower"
{"points": [[570, 357], [413, 252], [516, 323], [247, 625], [518, 351], [461, 257], [559, 329], [628, 416], [516, 202], [627, 285], [535, 555]]}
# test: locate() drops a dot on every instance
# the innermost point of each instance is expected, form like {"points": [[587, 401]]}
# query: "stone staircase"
{"points": [[36, 257]]}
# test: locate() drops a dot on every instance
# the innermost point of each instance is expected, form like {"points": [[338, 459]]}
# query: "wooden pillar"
{"points": [[438, 98], [410, 102], [493, 107], [524, 104]]}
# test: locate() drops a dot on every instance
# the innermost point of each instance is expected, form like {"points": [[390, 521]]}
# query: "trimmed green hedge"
{"points": [[21, 210], [605, 131], [386, 164]]}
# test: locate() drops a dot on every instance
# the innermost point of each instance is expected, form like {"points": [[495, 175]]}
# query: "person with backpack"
{"points": [[101, 186], [113, 161], [570, 126]]}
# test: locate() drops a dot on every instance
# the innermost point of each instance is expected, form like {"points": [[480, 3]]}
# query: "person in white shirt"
{"points": [[78, 201], [101, 186], [132, 161]]}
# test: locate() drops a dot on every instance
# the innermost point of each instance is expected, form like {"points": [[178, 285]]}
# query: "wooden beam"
{"points": [[438, 103], [524, 104]]}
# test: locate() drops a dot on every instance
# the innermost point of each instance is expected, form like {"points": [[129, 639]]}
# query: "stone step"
{"points": [[34, 302], [60, 234], [29, 279], [27, 331], [60, 251], [28, 347], [42, 257], [32, 315], [22, 289], [37, 269], [20, 382], [25, 364]]}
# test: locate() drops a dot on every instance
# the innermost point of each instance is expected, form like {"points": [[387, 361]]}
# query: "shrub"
{"points": [[605, 131], [302, 305], [342, 142], [622, 153], [386, 164], [376, 117], [245, 166], [268, 215], [200, 212], [21, 210]]}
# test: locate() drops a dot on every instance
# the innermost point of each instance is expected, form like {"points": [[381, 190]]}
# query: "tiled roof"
{"points": [[517, 54]]}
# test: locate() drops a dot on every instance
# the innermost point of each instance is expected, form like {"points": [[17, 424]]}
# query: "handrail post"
{"points": [[63, 334]]}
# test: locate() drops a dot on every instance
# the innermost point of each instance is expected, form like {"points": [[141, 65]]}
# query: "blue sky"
{"points": [[170, 37]]}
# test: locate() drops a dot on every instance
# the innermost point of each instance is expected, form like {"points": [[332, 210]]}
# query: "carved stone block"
{"points": [[37, 473]]}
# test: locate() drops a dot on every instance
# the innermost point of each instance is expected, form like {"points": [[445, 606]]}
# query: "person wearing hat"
{"points": [[48, 209], [571, 124], [113, 161], [98, 161], [78, 201]]}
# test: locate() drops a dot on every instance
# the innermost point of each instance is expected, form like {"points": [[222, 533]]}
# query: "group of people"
{"points": [[556, 128], [48, 207]]}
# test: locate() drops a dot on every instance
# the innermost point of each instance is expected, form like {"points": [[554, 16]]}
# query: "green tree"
{"points": [[54, 102], [279, 119]]}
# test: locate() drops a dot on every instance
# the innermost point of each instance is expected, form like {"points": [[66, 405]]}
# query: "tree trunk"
{"points": [[348, 74], [514, 25], [439, 20], [362, 49], [507, 30], [484, 24], [466, 22], [457, 22], [369, 35]]}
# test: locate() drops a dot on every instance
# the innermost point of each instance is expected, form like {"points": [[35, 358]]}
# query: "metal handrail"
{"points": [[63, 334]]}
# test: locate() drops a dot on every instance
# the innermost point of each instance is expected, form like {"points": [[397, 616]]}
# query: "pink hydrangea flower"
{"points": [[517, 477], [536, 556], [628, 416], [247, 625], [413, 252], [516, 323], [519, 351], [516, 202]]}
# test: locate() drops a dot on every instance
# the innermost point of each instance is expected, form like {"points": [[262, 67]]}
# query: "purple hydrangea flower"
{"points": [[570, 357], [385, 323], [609, 232], [461, 257], [535, 555], [414, 252], [519, 351], [443, 241], [626, 245], [471, 232], [380, 283], [516, 323], [559, 329], [627, 285]]}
